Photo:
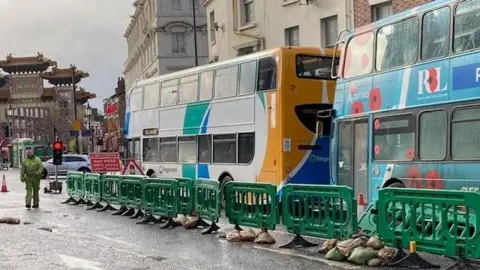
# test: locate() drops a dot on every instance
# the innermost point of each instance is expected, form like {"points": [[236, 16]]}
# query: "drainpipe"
{"points": [[240, 33]]}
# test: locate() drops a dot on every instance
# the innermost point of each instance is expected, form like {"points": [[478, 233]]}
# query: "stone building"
{"points": [[114, 108], [160, 38], [368, 11], [34, 108]]}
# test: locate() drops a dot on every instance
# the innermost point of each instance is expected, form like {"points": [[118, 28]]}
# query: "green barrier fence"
{"points": [[252, 204], [207, 203], [186, 196], [95, 192], [131, 195], [110, 190], [149, 197], [441, 222], [75, 187], [165, 200], [318, 211]]}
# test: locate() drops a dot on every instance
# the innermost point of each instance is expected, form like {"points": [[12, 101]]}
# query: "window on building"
{"points": [[247, 77], [432, 124], [246, 147], [248, 11], [226, 82], [465, 135], [212, 26], [206, 85], [224, 148], [205, 148], [176, 4], [152, 94], [150, 150], [330, 31], [381, 11], [187, 149], [188, 89], [168, 149], [246, 50], [292, 36], [467, 26], [178, 42], [168, 94], [267, 74], [397, 44], [436, 33], [394, 138]]}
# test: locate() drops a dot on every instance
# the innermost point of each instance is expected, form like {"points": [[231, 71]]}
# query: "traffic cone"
{"points": [[361, 206], [4, 184]]}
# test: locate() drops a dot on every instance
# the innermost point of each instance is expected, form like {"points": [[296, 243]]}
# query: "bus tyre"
{"points": [[223, 184], [397, 185]]}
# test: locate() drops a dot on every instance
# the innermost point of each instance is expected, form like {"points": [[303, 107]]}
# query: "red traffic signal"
{"points": [[57, 146]]}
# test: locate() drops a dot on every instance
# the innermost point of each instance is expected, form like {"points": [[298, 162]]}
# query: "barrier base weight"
{"points": [[107, 207], [149, 218], [97, 205], [120, 211], [299, 241], [138, 214], [464, 264], [413, 260], [130, 212], [69, 200], [89, 203], [213, 228], [80, 201], [169, 224]]}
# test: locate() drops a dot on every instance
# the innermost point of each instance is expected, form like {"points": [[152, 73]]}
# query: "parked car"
{"points": [[70, 162]]}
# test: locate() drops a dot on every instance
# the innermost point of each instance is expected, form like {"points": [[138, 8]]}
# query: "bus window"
{"points": [[205, 148], [246, 147], [345, 154], [206, 86], [168, 96], [359, 56], [314, 67], [247, 77], [224, 148], [267, 74], [168, 149], [187, 149], [137, 149], [226, 82], [466, 133], [307, 115], [151, 96], [394, 138], [397, 44], [436, 33], [188, 89], [136, 99], [467, 26], [131, 148], [150, 150], [432, 124]]}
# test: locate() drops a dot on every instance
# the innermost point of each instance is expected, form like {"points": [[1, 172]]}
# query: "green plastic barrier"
{"points": [[252, 204], [186, 196], [367, 223], [110, 186], [163, 192], [92, 187], [207, 199], [75, 188], [131, 188], [439, 221], [318, 211]]}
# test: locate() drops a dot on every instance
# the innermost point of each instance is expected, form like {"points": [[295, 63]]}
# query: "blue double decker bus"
{"points": [[407, 101]]}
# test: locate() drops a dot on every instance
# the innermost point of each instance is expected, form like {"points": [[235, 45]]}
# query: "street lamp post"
{"points": [[88, 113], [74, 86], [195, 31], [10, 123]]}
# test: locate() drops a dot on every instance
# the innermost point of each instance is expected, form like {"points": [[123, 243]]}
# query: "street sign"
{"points": [[77, 125], [105, 162], [132, 168]]}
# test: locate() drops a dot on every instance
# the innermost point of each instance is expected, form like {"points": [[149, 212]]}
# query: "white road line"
{"points": [[324, 261]]}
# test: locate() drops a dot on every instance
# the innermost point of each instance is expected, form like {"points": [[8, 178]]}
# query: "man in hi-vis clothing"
{"points": [[30, 174]]}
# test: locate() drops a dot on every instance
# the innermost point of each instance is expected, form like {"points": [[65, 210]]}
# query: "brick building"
{"points": [[368, 11], [114, 108]]}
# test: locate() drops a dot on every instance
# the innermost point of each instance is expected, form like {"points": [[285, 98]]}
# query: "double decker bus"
{"points": [[407, 110], [252, 118]]}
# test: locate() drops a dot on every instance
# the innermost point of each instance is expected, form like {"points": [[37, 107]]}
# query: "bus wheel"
{"points": [[223, 183], [151, 174], [396, 185]]}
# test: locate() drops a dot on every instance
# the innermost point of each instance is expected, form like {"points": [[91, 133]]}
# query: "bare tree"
{"points": [[53, 118]]}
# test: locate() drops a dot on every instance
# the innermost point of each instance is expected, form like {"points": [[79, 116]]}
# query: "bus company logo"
{"points": [[162, 169], [358, 96], [430, 81]]}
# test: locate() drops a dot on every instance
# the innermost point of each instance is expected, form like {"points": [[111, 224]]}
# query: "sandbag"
{"points": [[361, 255], [359, 242], [386, 253], [233, 236], [264, 238], [328, 245], [9, 220], [374, 243], [247, 235], [375, 262], [343, 246], [180, 219], [191, 222], [335, 255]]}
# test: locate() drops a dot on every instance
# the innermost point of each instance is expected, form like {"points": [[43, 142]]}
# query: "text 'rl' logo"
{"points": [[430, 80]]}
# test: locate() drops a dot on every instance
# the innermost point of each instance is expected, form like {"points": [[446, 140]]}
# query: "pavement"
{"points": [[59, 236]]}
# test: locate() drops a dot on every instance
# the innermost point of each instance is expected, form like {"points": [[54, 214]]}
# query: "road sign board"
{"points": [[105, 162], [77, 125], [132, 168]]}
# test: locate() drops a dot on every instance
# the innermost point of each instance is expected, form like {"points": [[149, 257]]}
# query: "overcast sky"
{"points": [[88, 33]]}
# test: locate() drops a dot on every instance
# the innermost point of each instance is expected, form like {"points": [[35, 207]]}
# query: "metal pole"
{"points": [[56, 173], [91, 134], [74, 86], [195, 32]]}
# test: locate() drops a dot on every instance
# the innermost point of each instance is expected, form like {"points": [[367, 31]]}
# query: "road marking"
{"points": [[77, 263], [324, 261], [115, 240]]}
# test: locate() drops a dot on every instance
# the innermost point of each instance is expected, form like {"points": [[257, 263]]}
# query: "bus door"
{"points": [[352, 156]]}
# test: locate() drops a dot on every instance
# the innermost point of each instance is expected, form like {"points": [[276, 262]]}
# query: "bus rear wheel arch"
{"points": [[223, 180], [151, 173], [394, 183]]}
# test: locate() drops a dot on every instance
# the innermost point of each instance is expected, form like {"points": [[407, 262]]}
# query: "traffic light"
{"points": [[57, 152]]}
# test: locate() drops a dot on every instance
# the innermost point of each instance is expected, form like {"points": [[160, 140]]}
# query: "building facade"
{"points": [[160, 38], [36, 109], [114, 108], [368, 11], [239, 27]]}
